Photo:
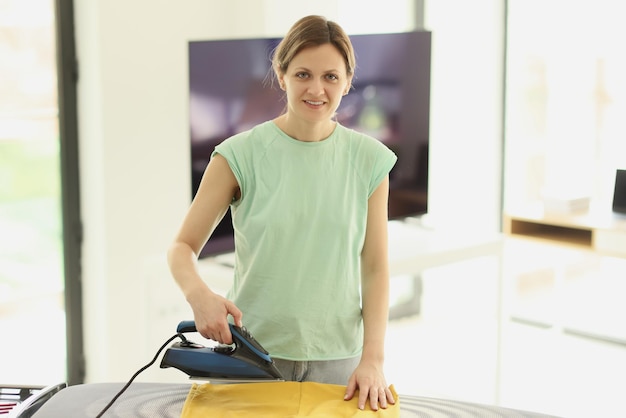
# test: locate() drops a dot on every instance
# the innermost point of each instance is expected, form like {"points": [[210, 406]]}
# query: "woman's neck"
{"points": [[305, 131]]}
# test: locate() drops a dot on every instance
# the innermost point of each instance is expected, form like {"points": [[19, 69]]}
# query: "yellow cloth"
{"points": [[278, 400]]}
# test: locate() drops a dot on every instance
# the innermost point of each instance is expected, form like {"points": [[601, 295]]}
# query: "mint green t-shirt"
{"points": [[299, 231]]}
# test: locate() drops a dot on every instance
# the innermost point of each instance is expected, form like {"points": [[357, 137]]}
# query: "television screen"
{"points": [[231, 89]]}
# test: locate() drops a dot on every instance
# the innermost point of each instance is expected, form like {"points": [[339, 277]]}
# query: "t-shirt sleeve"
{"points": [[228, 150], [383, 162]]}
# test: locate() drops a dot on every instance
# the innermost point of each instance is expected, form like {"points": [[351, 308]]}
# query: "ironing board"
{"points": [[166, 400]]}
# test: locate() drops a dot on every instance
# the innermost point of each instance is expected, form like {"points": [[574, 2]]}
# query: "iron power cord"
{"points": [[156, 356]]}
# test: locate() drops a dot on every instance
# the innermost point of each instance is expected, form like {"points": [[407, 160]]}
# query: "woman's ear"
{"points": [[348, 87], [281, 80]]}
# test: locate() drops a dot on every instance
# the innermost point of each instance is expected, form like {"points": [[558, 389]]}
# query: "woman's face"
{"points": [[315, 81]]}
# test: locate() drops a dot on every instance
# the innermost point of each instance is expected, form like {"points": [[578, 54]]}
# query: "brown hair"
{"points": [[312, 31]]}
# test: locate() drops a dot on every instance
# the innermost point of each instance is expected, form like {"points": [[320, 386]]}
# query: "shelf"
{"points": [[599, 230], [532, 229]]}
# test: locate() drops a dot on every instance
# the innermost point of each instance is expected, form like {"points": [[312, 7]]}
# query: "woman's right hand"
{"points": [[216, 192], [210, 312]]}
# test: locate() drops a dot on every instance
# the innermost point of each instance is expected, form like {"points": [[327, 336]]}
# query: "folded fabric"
{"points": [[278, 400]]}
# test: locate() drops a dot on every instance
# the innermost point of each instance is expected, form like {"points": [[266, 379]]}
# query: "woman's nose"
{"points": [[316, 87]]}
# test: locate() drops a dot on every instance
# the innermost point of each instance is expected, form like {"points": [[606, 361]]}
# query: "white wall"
{"points": [[466, 108], [134, 150]]}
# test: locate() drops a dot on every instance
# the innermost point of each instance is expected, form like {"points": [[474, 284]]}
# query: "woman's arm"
{"points": [[369, 375], [216, 191]]}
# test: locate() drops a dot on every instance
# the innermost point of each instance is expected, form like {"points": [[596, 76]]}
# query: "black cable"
{"points": [[139, 372]]}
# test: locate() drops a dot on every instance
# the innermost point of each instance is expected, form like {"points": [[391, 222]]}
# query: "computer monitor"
{"points": [[619, 195]]}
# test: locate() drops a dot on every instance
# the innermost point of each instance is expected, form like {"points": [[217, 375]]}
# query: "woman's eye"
{"points": [[332, 77], [302, 75]]}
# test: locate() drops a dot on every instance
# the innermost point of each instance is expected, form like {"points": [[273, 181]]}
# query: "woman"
{"points": [[309, 207]]}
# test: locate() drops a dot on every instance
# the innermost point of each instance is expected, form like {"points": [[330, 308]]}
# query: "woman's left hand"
{"points": [[369, 379]]}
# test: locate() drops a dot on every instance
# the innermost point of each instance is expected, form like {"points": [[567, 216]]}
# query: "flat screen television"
{"points": [[619, 192], [231, 90]]}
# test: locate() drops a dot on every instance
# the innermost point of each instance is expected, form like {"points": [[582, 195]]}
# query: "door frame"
{"points": [[67, 79]]}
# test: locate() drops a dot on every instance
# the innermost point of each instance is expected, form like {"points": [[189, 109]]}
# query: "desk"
{"points": [[165, 400], [414, 248]]}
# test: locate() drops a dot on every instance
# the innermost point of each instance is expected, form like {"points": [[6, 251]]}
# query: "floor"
{"points": [[559, 348], [555, 342]]}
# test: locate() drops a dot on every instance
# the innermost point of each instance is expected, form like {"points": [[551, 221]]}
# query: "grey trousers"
{"points": [[336, 372]]}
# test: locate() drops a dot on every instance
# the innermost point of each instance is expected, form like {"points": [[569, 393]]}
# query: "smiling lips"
{"points": [[313, 103]]}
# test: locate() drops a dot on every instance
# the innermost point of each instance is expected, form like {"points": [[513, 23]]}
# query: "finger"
{"points": [[223, 335], [206, 332], [236, 314], [373, 398], [350, 389], [390, 397], [382, 397], [363, 394]]}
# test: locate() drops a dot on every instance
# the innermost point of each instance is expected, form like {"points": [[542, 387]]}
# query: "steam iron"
{"points": [[243, 361]]}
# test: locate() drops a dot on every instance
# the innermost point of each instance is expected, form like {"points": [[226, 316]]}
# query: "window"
{"points": [[32, 313], [566, 97]]}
